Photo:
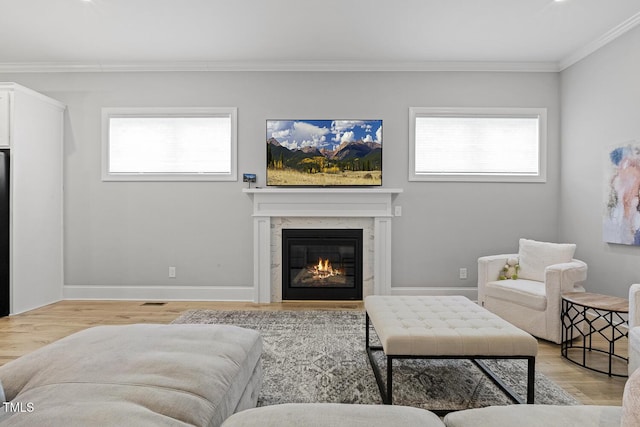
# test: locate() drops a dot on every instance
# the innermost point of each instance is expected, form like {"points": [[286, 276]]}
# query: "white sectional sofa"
{"points": [[207, 375]]}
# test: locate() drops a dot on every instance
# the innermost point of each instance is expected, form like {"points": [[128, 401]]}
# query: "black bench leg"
{"points": [[531, 379], [385, 393], [366, 330], [389, 381]]}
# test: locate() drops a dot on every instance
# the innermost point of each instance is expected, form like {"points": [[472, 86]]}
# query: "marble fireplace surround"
{"points": [[369, 209]]}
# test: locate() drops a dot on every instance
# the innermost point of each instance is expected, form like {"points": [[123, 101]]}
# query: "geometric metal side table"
{"points": [[585, 315]]}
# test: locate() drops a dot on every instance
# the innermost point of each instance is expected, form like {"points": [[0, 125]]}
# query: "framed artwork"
{"points": [[621, 222]]}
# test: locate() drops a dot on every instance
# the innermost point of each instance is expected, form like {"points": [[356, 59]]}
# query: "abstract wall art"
{"points": [[622, 211]]}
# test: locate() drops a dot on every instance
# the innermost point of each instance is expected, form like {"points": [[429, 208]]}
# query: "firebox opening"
{"points": [[321, 264]]}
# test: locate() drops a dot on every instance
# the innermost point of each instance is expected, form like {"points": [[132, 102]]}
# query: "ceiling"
{"points": [[104, 35]]}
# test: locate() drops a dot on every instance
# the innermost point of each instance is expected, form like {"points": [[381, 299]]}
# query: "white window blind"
{"points": [[490, 145], [169, 145]]}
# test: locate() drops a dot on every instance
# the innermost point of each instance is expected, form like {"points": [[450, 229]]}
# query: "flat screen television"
{"points": [[324, 153]]}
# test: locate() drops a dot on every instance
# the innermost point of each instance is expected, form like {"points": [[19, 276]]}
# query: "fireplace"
{"points": [[275, 209], [322, 264]]}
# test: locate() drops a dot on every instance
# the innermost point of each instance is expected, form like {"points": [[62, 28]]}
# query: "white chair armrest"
{"points": [[565, 277], [634, 305], [489, 268], [560, 278]]}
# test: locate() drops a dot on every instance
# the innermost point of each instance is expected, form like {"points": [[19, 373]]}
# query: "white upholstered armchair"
{"points": [[532, 301]]}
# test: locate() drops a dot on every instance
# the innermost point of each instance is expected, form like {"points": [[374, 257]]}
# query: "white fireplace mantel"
{"points": [[373, 203]]}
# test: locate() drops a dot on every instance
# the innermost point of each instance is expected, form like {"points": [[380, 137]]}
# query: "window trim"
{"points": [[115, 112], [540, 113]]}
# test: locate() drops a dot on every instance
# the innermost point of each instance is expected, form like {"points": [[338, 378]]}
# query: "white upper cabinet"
{"points": [[32, 128], [4, 117]]}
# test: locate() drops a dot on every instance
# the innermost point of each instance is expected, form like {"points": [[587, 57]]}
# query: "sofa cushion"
{"points": [[3, 413], [534, 257], [536, 416], [334, 415], [631, 401], [142, 375], [527, 293], [634, 349]]}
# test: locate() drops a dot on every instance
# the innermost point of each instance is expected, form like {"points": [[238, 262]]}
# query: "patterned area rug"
{"points": [[319, 356]]}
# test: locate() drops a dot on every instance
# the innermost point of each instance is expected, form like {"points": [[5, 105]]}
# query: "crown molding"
{"points": [[47, 67], [600, 42], [328, 66], [298, 66]]}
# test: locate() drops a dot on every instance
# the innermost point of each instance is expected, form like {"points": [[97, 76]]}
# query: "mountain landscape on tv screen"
{"points": [[323, 161]]}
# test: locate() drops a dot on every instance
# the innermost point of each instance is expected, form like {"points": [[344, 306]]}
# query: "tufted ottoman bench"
{"points": [[444, 327]]}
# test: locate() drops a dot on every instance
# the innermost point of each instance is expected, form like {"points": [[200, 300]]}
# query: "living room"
{"points": [[120, 238]]}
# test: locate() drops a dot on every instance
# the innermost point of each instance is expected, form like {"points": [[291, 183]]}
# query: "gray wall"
{"points": [[600, 109], [127, 234]]}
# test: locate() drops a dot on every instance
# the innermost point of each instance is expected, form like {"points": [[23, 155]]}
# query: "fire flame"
{"points": [[323, 269], [324, 265]]}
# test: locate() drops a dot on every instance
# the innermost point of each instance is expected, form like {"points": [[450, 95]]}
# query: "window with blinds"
{"points": [[169, 144], [486, 144]]}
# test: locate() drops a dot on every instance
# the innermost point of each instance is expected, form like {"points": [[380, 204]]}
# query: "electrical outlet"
{"points": [[463, 273], [172, 272], [398, 211]]}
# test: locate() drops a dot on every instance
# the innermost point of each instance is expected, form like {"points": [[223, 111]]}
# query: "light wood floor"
{"points": [[26, 332]]}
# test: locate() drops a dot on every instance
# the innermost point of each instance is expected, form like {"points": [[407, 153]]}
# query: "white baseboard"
{"points": [[218, 293], [159, 293], [469, 292]]}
